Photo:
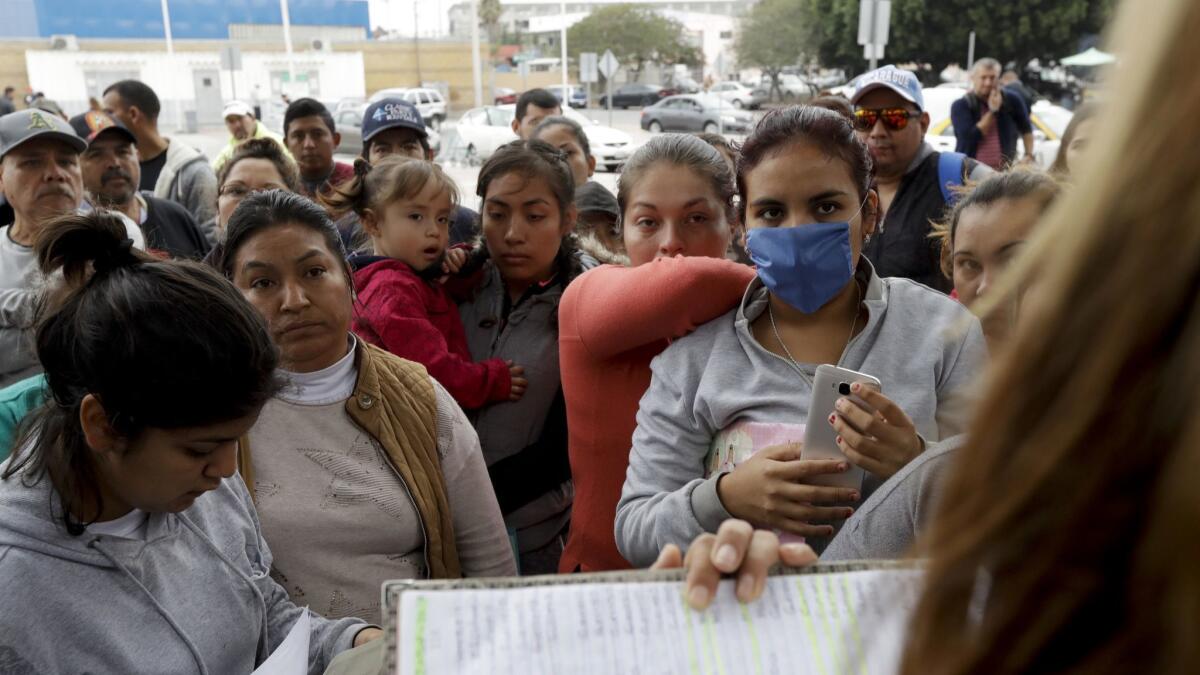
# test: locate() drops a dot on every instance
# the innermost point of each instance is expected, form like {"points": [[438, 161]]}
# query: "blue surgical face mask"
{"points": [[805, 266]]}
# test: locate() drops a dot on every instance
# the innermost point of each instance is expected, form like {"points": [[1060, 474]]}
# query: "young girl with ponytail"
{"points": [[404, 205]]}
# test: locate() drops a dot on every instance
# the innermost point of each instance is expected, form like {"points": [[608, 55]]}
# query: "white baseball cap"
{"points": [[237, 108]]}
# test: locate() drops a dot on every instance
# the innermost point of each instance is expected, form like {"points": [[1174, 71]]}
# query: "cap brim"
{"points": [[875, 86], [396, 125], [70, 139], [121, 130]]}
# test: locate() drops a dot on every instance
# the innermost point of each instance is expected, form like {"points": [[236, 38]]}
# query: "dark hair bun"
{"points": [[73, 241]]}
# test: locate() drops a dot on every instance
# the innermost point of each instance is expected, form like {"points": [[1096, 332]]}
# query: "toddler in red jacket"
{"points": [[404, 205]]}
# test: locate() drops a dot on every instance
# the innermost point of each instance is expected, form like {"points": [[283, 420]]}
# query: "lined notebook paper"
{"points": [[846, 622]]}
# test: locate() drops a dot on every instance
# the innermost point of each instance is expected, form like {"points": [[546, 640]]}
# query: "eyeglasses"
{"points": [[894, 119]]}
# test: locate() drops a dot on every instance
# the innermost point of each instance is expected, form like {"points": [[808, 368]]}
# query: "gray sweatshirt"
{"points": [[887, 524], [925, 348], [195, 596], [188, 180]]}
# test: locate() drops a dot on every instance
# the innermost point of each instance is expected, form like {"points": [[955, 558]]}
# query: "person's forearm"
{"points": [[1028, 140], [986, 122]]}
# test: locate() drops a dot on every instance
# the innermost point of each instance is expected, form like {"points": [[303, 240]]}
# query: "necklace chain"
{"points": [[791, 359]]}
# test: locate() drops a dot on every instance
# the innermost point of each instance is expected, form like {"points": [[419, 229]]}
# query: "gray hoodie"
{"points": [[925, 348], [195, 596], [188, 180]]}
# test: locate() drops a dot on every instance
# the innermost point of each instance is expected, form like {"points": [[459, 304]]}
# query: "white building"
{"points": [[195, 81]]}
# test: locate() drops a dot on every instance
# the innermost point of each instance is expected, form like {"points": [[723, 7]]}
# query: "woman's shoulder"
{"points": [[909, 296], [698, 346]]}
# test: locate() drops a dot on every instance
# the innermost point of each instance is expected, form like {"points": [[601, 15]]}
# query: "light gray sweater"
{"points": [[925, 348], [195, 596]]}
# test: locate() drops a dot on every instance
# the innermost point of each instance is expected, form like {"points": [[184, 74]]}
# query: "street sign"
{"points": [[231, 58], [523, 69], [874, 20], [588, 67], [873, 52], [608, 64]]}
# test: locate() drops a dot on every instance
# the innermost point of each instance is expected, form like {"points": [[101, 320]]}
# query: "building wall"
{"points": [[190, 19]]}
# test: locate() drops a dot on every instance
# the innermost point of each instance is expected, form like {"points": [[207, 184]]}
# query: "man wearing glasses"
{"points": [[915, 182]]}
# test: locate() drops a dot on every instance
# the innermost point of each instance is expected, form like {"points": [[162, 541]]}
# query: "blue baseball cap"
{"points": [[900, 81], [391, 113]]}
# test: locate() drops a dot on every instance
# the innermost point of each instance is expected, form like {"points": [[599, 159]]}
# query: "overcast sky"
{"points": [[398, 15]]}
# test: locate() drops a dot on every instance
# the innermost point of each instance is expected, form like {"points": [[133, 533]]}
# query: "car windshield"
{"points": [[579, 117], [711, 102], [500, 117]]}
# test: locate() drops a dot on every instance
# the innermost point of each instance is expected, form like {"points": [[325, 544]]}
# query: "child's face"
{"points": [[414, 230], [673, 211]]}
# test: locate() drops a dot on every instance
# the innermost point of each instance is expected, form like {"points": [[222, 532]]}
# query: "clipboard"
{"points": [[393, 591]]}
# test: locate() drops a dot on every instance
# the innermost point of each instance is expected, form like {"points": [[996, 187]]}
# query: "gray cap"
{"points": [[25, 125], [592, 196]]}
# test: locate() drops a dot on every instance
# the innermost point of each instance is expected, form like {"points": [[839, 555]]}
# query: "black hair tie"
{"points": [[120, 255], [361, 168]]}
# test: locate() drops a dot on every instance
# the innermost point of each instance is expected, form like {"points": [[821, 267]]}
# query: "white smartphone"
{"points": [[820, 438]]}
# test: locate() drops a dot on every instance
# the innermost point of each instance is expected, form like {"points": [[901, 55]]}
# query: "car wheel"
{"points": [[656, 127], [737, 103], [612, 168], [472, 155], [435, 122], [711, 128]]}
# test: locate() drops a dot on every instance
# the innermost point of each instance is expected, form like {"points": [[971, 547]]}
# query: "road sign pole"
{"points": [[608, 98]]}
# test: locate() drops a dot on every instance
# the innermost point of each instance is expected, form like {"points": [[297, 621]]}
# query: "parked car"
{"points": [[629, 95], [576, 96], [793, 87], [480, 131], [684, 85], [505, 95], [349, 125], [611, 147], [349, 103], [1049, 124], [739, 95], [695, 112], [430, 102]]}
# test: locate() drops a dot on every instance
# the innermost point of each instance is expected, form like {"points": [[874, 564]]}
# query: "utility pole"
{"points": [[416, 44], [476, 69], [563, 40], [166, 14], [287, 41]]}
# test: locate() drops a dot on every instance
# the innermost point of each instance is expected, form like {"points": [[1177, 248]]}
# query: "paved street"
{"points": [[210, 142]]}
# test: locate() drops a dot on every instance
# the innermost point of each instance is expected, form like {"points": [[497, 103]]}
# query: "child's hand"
{"points": [[455, 259], [519, 383]]}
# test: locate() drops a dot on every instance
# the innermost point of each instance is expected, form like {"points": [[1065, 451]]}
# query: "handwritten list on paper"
{"points": [[812, 623]]}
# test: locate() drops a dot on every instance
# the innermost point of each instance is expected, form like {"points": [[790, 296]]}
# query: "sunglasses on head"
{"points": [[894, 119]]}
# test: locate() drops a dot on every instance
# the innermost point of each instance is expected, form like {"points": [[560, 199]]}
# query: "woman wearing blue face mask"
{"points": [[719, 428]]}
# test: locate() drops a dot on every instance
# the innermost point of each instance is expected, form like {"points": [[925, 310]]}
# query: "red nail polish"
{"points": [[856, 387], [832, 418], [839, 440]]}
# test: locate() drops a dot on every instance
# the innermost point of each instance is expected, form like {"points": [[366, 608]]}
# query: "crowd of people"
{"points": [[239, 388]]}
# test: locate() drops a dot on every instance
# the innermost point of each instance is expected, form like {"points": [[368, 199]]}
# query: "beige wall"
{"points": [[387, 64]]}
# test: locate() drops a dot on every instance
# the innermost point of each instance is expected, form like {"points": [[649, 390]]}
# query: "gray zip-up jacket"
{"points": [[188, 180], [196, 596], [925, 348]]}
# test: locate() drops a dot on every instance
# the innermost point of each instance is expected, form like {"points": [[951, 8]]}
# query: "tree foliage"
{"points": [[937, 31], [637, 36], [773, 36]]}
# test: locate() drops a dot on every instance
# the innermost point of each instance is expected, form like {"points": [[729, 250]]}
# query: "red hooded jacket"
{"points": [[417, 320]]}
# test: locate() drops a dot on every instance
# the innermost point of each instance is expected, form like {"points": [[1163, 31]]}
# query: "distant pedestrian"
{"points": [[1011, 81], [534, 106], [6, 102], [988, 120], [169, 168], [242, 126], [312, 138]]}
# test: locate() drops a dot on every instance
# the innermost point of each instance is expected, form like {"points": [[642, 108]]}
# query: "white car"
{"points": [[739, 95], [479, 132], [429, 102], [611, 147]]}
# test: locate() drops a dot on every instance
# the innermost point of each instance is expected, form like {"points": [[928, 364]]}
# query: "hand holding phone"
{"points": [[821, 440], [873, 432]]}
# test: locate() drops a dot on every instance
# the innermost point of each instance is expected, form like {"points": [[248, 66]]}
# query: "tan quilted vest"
{"points": [[395, 403]]}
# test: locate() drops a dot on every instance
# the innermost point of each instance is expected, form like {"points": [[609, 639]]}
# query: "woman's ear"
{"points": [[591, 165], [568, 224], [871, 214], [97, 430], [370, 223]]}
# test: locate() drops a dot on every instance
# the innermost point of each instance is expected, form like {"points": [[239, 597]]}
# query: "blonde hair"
{"points": [[1068, 536], [392, 178]]}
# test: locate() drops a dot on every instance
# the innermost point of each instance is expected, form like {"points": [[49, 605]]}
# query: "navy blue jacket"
{"points": [[1012, 120]]}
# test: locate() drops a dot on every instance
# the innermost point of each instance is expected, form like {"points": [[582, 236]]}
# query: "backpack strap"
{"points": [[950, 174]]}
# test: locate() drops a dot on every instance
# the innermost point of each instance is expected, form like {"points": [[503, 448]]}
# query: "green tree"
{"points": [[637, 36], [937, 31], [773, 36]]}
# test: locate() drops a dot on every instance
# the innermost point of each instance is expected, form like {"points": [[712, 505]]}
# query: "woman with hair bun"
{"points": [[127, 538]]}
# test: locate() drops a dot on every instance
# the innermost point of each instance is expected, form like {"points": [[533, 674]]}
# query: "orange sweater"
{"points": [[612, 322]]}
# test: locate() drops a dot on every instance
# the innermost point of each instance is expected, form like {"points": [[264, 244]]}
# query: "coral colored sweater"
{"points": [[612, 321]]}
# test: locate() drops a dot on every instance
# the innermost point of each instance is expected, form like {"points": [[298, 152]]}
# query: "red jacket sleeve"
{"points": [[398, 322], [614, 309]]}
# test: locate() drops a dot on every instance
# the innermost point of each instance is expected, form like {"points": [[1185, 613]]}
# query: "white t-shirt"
{"points": [[20, 283]]}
